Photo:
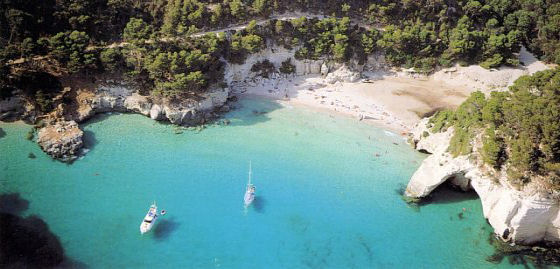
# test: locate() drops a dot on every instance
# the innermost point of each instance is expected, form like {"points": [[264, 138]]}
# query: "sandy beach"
{"points": [[389, 99], [393, 103]]}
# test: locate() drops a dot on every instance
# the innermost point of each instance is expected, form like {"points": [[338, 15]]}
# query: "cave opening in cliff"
{"points": [[450, 192]]}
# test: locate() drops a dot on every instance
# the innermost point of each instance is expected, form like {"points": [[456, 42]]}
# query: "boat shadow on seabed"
{"points": [[259, 204], [164, 228]]}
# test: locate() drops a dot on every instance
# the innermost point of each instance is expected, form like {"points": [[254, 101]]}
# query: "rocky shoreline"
{"points": [[386, 97], [528, 216], [58, 132]]}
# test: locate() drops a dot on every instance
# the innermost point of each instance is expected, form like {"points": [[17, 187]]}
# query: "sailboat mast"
{"points": [[249, 173]]}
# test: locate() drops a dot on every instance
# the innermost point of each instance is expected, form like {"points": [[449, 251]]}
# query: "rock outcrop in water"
{"points": [[61, 140], [525, 216]]}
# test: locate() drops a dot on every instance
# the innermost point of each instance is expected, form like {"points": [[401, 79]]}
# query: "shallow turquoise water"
{"points": [[324, 199]]}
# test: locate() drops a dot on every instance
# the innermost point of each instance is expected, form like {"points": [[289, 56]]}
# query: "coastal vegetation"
{"points": [[153, 43], [519, 129]]}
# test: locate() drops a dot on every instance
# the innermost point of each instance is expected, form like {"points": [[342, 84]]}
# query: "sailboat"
{"points": [[250, 191], [149, 219]]}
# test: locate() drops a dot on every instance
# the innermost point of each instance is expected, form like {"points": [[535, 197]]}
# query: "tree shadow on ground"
{"points": [[165, 228], [259, 204], [27, 242]]}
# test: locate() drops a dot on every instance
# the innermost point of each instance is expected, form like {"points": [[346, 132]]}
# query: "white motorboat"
{"points": [[149, 220]]}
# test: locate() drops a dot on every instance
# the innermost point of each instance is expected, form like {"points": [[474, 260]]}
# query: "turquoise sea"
{"points": [[328, 195]]}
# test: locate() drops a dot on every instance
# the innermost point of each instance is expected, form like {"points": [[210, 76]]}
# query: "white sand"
{"points": [[391, 102], [474, 76]]}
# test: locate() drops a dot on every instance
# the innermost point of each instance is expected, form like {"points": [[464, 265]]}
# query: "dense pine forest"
{"points": [[162, 53]]}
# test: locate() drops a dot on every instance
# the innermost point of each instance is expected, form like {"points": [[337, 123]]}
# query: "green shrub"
{"points": [[111, 59], [287, 67], [441, 120], [263, 68], [460, 143], [524, 123], [44, 101], [492, 148], [30, 134]]}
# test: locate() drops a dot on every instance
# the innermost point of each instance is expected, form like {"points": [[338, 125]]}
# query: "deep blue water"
{"points": [[324, 199]]}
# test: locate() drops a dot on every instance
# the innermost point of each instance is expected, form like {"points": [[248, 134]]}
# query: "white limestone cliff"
{"points": [[333, 72], [525, 216], [276, 55], [185, 112]]}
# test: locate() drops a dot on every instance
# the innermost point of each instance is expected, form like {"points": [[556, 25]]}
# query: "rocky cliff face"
{"points": [[123, 99], [276, 55], [114, 97], [184, 112], [525, 216], [62, 140], [333, 72], [15, 108]]}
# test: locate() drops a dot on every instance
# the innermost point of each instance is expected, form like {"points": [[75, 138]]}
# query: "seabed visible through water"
{"points": [[328, 195]]}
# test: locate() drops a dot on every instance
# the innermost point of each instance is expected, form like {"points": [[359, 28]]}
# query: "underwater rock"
{"points": [[26, 242], [538, 256]]}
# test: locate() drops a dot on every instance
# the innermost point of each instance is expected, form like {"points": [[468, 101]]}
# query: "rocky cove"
{"points": [[59, 134], [429, 130], [517, 216]]}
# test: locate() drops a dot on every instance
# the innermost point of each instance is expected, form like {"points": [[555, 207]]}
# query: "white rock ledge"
{"points": [[522, 217], [187, 112]]}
